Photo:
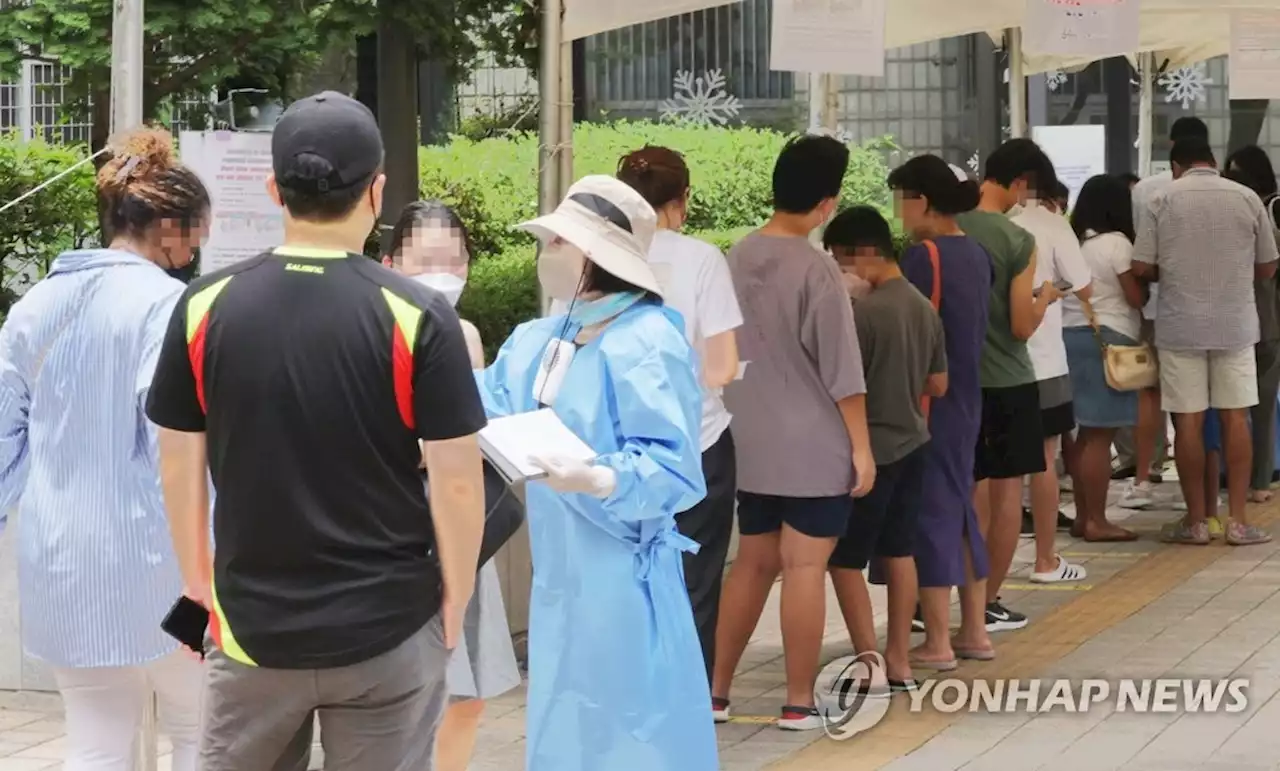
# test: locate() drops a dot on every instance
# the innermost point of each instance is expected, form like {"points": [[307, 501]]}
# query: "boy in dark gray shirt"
{"points": [[905, 362]]}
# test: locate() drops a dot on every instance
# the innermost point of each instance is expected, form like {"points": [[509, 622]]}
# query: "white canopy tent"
{"points": [[1172, 33]]}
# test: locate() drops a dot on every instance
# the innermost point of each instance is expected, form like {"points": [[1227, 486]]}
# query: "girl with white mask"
{"points": [[430, 244]]}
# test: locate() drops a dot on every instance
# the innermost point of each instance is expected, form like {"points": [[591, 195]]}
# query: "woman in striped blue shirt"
{"points": [[77, 455]]}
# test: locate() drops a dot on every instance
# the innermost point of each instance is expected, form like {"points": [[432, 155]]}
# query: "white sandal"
{"points": [[1063, 573]]}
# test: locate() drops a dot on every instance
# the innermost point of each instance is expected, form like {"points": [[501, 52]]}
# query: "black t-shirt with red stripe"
{"points": [[314, 374]]}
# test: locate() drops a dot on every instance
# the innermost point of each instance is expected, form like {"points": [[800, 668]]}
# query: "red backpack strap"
{"points": [[935, 260], [935, 299]]}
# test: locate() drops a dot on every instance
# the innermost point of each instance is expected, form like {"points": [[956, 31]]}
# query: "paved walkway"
{"points": [[1146, 611]]}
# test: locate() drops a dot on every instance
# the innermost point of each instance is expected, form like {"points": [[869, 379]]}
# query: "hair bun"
{"points": [[137, 154]]}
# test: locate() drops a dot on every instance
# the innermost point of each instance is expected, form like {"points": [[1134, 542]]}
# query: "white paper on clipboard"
{"points": [[512, 442]]}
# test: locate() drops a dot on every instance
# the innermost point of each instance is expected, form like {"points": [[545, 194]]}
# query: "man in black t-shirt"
{"points": [[304, 378]]}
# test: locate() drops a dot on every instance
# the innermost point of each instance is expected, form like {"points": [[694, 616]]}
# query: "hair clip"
{"points": [[128, 167]]}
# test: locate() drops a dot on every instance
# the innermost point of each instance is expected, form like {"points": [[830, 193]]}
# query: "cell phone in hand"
{"points": [[186, 622]]}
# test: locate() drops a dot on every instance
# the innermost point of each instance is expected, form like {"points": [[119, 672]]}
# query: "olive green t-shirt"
{"points": [[1005, 361]]}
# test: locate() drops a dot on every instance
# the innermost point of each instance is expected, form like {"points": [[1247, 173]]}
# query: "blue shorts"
{"points": [[815, 517], [1097, 405]]}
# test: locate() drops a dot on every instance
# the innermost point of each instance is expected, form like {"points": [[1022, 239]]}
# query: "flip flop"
{"points": [[1065, 572], [1124, 536], [903, 686], [934, 666], [975, 654]]}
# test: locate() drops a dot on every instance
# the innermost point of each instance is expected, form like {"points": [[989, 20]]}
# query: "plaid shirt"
{"points": [[1205, 233]]}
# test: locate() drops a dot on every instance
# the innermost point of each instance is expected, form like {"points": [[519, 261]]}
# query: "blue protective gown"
{"points": [[616, 679]]}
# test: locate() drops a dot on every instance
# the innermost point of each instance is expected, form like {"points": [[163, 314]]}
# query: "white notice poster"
{"points": [[1097, 28], [845, 37], [1077, 152], [1255, 55], [235, 167], [589, 17]]}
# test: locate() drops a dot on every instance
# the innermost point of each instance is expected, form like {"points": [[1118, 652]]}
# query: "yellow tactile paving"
{"points": [[1027, 653]]}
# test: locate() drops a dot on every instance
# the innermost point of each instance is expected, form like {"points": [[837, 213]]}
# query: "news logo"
{"points": [[852, 695]]}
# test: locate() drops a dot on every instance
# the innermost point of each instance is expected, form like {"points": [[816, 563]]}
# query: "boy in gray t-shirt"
{"points": [[905, 361]]}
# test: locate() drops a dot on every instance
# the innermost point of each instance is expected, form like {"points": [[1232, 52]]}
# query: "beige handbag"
{"points": [[1128, 367]]}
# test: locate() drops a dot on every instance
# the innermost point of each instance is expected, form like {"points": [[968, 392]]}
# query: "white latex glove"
{"points": [[565, 475]]}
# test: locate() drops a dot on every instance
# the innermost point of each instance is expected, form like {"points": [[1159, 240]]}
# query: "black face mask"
{"points": [[187, 272]]}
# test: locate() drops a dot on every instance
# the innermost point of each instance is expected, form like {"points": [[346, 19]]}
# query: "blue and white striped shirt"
{"points": [[97, 570]]}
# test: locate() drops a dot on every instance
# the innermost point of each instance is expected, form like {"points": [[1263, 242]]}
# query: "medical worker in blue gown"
{"points": [[616, 679]]}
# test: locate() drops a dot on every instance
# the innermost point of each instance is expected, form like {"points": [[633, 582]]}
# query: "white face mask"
{"points": [[446, 284], [560, 270]]}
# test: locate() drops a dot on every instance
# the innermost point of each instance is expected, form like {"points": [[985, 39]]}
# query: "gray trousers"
{"points": [[1263, 417], [378, 715]]}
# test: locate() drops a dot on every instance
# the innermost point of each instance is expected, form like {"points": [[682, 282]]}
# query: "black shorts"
{"points": [[1011, 440], [1057, 414], [815, 517], [884, 522], [1058, 421]]}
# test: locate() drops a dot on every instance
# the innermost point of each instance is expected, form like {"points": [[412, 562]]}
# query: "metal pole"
{"points": [[1146, 111], [25, 85], [564, 109], [549, 95], [126, 65], [1017, 83], [549, 114], [817, 99], [831, 114]]}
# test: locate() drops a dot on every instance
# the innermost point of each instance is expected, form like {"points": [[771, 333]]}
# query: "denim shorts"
{"points": [[1097, 405]]}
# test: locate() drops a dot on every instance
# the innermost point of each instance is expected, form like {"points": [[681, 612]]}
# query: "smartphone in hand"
{"points": [[186, 622]]}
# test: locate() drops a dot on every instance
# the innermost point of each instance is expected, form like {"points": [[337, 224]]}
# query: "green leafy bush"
{"points": [[494, 182], [502, 292], [61, 216]]}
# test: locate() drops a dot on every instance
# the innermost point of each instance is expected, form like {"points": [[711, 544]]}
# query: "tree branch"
{"points": [[179, 79]]}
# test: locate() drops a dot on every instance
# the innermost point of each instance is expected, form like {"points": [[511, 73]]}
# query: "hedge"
{"points": [[493, 185]]}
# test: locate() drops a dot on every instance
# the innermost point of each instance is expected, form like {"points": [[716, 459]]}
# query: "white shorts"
{"points": [[1195, 381]]}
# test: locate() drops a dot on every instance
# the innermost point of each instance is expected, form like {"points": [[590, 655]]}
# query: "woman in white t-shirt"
{"points": [[1103, 219], [696, 283]]}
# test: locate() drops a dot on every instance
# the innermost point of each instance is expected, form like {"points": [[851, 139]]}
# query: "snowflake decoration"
{"points": [[1186, 85], [1055, 79], [973, 162], [702, 100]]}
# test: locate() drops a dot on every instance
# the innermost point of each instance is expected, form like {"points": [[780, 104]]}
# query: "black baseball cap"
{"points": [[337, 134]]}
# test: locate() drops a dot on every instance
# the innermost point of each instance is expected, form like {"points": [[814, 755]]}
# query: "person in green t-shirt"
{"points": [[1011, 442]]}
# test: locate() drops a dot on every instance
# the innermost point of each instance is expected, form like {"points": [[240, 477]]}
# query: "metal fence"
{"points": [[41, 104], [632, 71]]}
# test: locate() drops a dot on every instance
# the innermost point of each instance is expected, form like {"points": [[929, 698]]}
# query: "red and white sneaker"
{"points": [[720, 710], [795, 718]]}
